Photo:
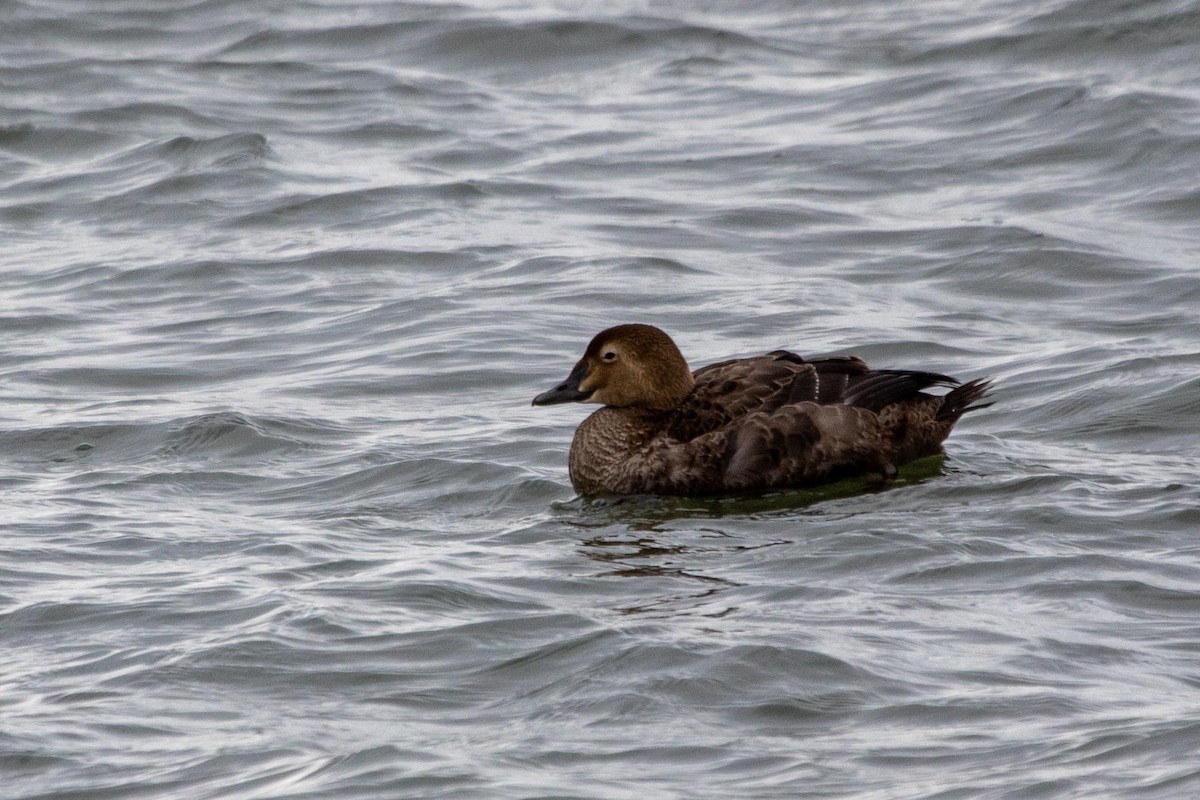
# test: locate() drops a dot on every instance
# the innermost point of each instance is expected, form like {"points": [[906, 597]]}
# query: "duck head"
{"points": [[629, 366]]}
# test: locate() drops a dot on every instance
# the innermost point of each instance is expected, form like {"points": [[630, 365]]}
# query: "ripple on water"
{"points": [[280, 521]]}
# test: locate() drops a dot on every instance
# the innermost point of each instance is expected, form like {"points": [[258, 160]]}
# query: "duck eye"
{"points": [[610, 356]]}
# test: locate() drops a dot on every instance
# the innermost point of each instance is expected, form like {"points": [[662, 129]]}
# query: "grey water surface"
{"points": [[278, 281]]}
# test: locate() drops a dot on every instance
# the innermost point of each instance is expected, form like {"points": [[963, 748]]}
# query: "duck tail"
{"points": [[963, 399]]}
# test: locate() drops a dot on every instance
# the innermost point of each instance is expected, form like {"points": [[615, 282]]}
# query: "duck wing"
{"points": [[805, 444], [730, 390], [808, 443], [798, 444]]}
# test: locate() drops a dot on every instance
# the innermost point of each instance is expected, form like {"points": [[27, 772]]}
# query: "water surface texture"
{"points": [[279, 280]]}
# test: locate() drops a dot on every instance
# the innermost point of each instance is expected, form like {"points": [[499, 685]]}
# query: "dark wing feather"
{"points": [[882, 387], [730, 390]]}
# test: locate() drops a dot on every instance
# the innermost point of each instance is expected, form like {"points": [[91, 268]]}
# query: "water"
{"points": [[280, 279]]}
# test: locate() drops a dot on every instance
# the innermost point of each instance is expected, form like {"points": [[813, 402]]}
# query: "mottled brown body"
{"points": [[768, 422]]}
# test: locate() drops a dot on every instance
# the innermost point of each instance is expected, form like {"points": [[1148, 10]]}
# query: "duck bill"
{"points": [[568, 391]]}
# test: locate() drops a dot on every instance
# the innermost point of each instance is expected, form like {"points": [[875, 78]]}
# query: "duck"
{"points": [[747, 425]]}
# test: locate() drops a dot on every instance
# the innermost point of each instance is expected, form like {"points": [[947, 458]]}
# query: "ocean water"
{"points": [[279, 280]]}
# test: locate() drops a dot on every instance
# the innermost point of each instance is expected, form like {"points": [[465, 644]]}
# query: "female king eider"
{"points": [[776, 421]]}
